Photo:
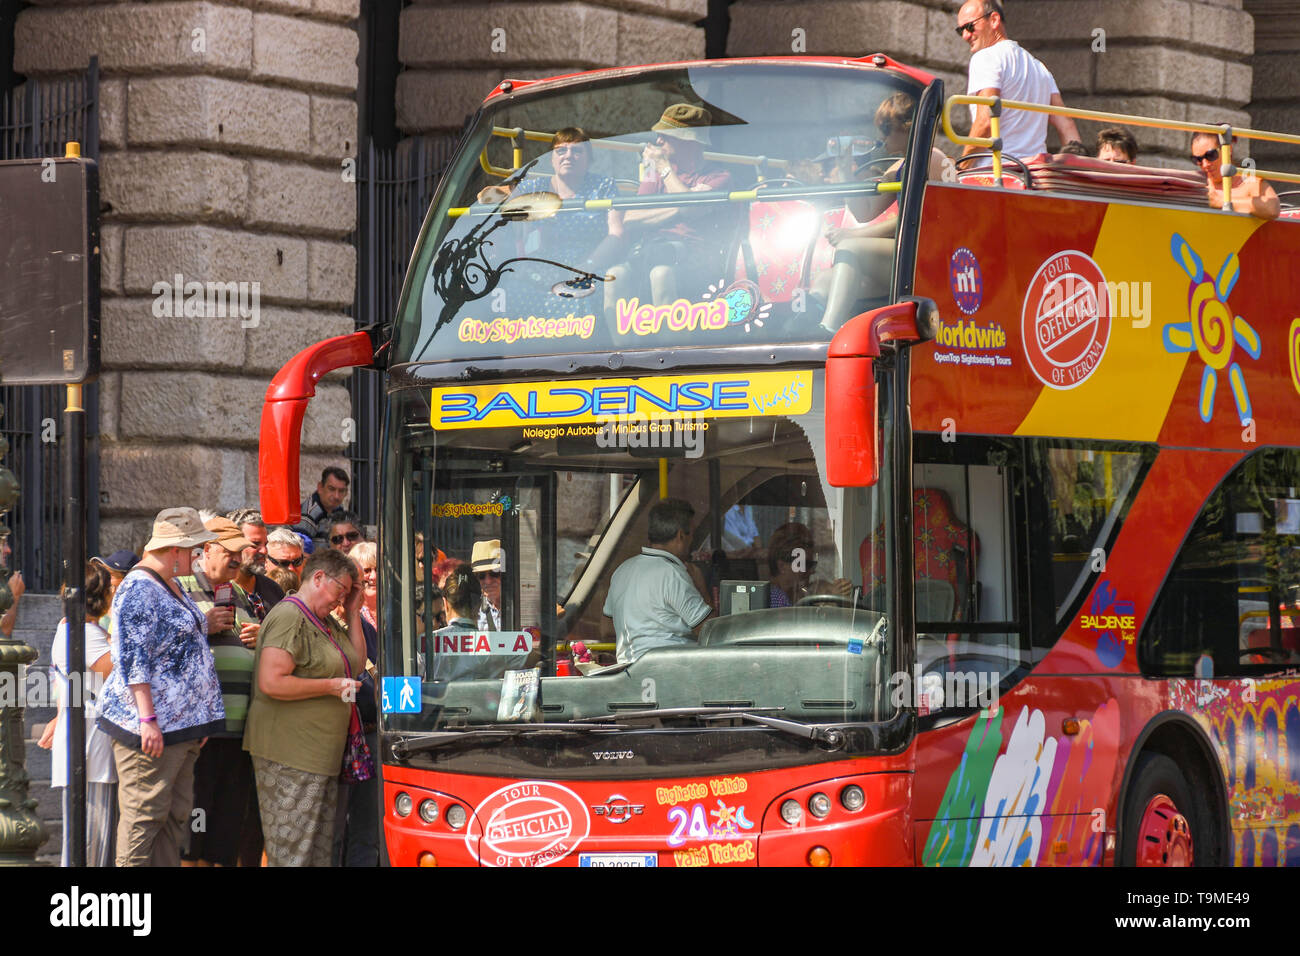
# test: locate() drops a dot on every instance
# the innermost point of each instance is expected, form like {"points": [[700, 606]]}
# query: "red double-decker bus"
{"points": [[995, 487]]}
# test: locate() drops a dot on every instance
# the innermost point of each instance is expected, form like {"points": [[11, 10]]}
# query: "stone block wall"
{"points": [[1166, 58], [1275, 87], [454, 54], [224, 132]]}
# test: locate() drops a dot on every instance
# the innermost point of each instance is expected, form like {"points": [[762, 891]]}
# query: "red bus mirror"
{"points": [[852, 456], [282, 413]]}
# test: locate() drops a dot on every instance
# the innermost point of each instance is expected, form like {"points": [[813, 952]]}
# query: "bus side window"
{"points": [[969, 556], [1231, 603]]}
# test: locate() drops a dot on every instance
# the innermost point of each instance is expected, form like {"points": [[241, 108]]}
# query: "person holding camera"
{"points": [[223, 775]]}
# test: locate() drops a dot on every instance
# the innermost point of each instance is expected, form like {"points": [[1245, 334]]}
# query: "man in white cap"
{"points": [[489, 564]]}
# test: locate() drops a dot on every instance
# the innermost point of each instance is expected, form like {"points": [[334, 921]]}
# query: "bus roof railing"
{"points": [[1224, 131], [661, 200], [518, 136]]}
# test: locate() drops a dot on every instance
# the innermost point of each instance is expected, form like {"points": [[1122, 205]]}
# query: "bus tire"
{"points": [[1163, 823]]}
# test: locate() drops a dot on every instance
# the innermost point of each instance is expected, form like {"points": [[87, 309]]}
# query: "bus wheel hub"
{"points": [[1164, 837]]}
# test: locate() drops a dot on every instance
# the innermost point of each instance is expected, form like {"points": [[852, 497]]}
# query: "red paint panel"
{"points": [[1010, 235]]}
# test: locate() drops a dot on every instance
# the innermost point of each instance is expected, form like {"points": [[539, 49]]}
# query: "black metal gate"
{"points": [[394, 190], [37, 120]]}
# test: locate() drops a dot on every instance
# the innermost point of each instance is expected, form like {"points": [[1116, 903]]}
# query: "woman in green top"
{"points": [[298, 719]]}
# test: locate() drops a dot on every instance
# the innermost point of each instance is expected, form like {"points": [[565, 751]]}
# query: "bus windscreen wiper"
{"points": [[651, 713], [832, 737], [404, 746]]}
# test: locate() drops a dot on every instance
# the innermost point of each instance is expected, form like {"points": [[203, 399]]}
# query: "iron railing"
{"points": [[37, 119], [394, 190]]}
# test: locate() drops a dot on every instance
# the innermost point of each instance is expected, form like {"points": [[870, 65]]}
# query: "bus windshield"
{"points": [[714, 204], [563, 600]]}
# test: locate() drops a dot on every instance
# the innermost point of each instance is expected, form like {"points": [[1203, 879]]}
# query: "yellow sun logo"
{"points": [[1212, 331]]}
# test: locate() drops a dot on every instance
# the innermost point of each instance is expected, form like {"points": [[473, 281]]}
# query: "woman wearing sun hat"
{"points": [[162, 698]]}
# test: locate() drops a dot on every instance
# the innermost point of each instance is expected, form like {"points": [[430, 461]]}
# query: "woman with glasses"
{"points": [[792, 559], [305, 682], [585, 240], [1250, 194], [864, 238], [356, 840]]}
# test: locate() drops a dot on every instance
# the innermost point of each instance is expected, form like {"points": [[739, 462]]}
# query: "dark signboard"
{"points": [[49, 271]]}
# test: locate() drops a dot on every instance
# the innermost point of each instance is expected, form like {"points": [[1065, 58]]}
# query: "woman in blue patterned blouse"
{"points": [[163, 697], [585, 239]]}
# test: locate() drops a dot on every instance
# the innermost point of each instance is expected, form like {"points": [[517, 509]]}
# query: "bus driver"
{"points": [[655, 598]]}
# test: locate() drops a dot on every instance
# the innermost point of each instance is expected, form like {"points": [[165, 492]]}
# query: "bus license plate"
{"points": [[618, 859]]}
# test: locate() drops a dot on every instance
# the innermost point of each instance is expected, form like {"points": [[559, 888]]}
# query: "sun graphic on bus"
{"points": [[1212, 329], [745, 305]]}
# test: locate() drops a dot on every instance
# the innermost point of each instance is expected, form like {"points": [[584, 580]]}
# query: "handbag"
{"points": [[358, 761]]}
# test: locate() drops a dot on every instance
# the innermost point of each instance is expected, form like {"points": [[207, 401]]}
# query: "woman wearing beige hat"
{"points": [[162, 698]]}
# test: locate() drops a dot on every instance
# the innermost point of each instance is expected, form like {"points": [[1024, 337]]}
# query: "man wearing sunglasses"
{"points": [[345, 531], [1002, 67], [261, 590], [1250, 194], [284, 552]]}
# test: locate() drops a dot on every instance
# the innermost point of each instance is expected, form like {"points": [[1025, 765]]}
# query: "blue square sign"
{"points": [[401, 695]]}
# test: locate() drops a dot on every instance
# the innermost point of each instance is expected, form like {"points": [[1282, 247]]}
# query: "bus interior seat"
{"points": [[944, 550]]}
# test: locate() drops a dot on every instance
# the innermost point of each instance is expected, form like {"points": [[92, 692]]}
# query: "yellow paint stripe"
{"points": [[1128, 395]]}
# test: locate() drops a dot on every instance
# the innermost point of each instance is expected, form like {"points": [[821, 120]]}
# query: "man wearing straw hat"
{"points": [[163, 697], [681, 245]]}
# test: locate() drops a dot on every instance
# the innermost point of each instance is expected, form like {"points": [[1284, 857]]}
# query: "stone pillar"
{"points": [[455, 54], [226, 135], [1275, 87]]}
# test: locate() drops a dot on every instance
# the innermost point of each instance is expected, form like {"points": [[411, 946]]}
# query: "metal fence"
{"points": [[37, 120], [394, 190]]}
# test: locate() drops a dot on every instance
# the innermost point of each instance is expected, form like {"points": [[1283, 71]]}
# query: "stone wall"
{"points": [[224, 132], [1275, 100], [455, 54], [1163, 58]]}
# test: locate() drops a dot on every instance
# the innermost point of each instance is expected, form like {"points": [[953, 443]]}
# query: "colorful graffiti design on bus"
{"points": [[993, 811], [1255, 726]]}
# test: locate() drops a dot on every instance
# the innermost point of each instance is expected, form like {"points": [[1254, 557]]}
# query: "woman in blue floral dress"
{"points": [[586, 240], [162, 698]]}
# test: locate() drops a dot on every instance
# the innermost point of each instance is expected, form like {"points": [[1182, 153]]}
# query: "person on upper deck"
{"points": [[864, 239], [681, 246], [1117, 145], [584, 239], [1249, 193], [1001, 67]]}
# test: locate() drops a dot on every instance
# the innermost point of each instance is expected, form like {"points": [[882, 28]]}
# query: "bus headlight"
{"points": [[853, 798], [792, 812], [428, 811], [456, 816], [819, 805], [402, 804]]}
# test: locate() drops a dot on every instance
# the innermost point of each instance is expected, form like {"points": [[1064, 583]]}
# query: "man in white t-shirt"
{"points": [[1002, 67], [655, 598]]}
